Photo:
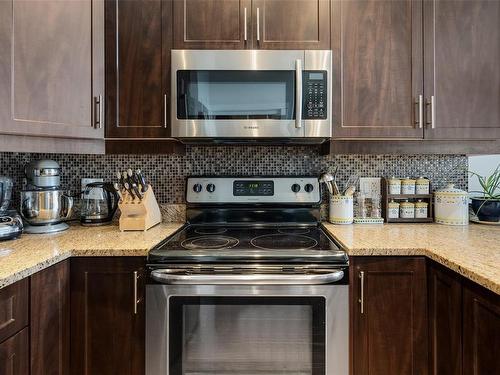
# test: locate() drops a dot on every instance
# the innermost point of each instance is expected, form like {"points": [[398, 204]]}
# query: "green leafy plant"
{"points": [[490, 185]]}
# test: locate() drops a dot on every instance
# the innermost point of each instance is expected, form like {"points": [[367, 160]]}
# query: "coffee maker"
{"points": [[11, 225], [44, 206]]}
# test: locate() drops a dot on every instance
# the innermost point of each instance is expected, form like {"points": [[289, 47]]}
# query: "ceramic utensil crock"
{"points": [[451, 206]]}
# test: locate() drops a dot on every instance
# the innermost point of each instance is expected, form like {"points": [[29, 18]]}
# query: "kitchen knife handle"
{"points": [[362, 291]]}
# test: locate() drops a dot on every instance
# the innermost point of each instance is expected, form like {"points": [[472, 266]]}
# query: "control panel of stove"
{"points": [[253, 190]]}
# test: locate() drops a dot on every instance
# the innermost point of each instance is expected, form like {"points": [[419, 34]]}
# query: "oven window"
{"points": [[247, 335], [235, 94]]}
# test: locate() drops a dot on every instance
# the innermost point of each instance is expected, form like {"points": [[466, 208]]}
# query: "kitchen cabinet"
{"points": [[107, 315], [52, 69], [14, 305], [445, 321], [378, 68], [50, 320], [14, 354], [388, 315], [384, 56], [252, 24], [462, 73], [138, 44], [481, 331]]}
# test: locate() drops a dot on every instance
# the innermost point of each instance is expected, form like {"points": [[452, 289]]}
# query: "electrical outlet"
{"points": [[370, 186], [86, 181]]}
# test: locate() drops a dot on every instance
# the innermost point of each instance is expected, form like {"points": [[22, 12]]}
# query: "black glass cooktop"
{"points": [[201, 243]]}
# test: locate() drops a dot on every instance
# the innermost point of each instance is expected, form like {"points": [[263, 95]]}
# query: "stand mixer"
{"points": [[11, 225], [44, 206]]}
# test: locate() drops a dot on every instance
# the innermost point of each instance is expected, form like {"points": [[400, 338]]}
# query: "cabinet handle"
{"points": [[362, 291], [97, 112], [420, 119], [136, 301], [245, 23], [258, 25], [164, 110], [432, 104]]}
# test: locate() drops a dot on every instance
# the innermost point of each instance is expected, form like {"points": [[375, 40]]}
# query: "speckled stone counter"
{"points": [[472, 251], [31, 253]]}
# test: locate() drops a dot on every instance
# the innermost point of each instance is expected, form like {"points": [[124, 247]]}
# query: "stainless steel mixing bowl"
{"points": [[42, 207]]}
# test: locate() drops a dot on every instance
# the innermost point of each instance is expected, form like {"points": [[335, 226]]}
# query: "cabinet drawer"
{"points": [[13, 308], [14, 354]]}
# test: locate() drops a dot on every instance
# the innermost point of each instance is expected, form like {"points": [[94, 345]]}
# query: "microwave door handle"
{"points": [[164, 277], [298, 93]]}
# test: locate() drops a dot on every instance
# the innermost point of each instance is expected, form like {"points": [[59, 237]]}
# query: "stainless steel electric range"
{"points": [[252, 284]]}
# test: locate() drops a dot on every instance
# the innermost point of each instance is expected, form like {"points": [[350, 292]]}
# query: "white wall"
{"points": [[483, 165]]}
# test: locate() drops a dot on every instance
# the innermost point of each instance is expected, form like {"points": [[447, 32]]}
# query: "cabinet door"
{"points": [[107, 316], [378, 68], [389, 316], [49, 322], [462, 70], [14, 354], [212, 24], [445, 322], [291, 24], [14, 307], [481, 331], [138, 43], [51, 68]]}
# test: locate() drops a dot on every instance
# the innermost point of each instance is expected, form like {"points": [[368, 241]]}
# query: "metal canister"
{"points": [[421, 209], [394, 185], [408, 186], [393, 210], [422, 185], [407, 210]]}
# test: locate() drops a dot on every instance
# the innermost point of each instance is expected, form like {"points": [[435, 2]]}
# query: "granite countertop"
{"points": [[33, 252], [472, 251]]}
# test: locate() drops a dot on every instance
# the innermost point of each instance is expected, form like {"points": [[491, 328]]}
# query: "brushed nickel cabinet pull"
{"points": [[136, 276], [362, 291], [164, 110], [258, 25], [97, 124], [420, 120], [432, 104], [245, 23]]}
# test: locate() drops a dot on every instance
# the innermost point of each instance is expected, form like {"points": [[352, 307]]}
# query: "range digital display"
{"points": [[253, 188]]}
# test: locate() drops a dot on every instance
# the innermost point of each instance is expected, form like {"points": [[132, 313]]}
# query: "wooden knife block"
{"points": [[139, 214]]}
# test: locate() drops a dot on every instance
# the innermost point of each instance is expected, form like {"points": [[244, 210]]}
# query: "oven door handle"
{"points": [[166, 277]]}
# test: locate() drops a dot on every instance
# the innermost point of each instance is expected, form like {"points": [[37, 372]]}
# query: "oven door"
{"points": [[245, 94], [247, 329]]}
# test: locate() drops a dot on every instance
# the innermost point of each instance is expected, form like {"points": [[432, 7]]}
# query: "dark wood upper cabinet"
{"points": [[481, 331], [377, 68], [291, 24], [50, 320], [52, 68], [445, 321], [462, 69], [138, 44], [212, 24], [388, 316], [107, 316], [14, 354]]}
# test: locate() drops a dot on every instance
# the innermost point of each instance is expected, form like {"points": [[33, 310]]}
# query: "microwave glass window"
{"points": [[247, 335], [235, 94]]}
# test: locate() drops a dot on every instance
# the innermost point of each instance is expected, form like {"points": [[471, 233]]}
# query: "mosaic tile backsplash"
{"points": [[167, 173]]}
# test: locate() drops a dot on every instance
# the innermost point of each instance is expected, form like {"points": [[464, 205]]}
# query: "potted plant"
{"points": [[487, 205]]}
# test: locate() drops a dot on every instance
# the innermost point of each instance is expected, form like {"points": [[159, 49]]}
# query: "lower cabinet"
{"points": [[14, 354], [107, 316], [49, 321], [388, 316]]}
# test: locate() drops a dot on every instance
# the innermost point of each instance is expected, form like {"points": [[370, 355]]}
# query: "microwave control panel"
{"points": [[314, 88]]}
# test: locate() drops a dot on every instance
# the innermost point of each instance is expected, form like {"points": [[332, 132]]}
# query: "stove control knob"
{"points": [[295, 188], [309, 188], [197, 188], [210, 188]]}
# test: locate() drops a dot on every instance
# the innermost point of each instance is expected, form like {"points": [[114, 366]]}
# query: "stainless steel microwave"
{"points": [[232, 96]]}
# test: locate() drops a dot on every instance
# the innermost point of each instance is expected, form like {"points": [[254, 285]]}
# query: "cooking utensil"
{"points": [[136, 191], [142, 180], [129, 189], [118, 191], [325, 178]]}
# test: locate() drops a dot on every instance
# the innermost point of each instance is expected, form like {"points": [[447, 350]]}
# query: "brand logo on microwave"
{"points": [[251, 127]]}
